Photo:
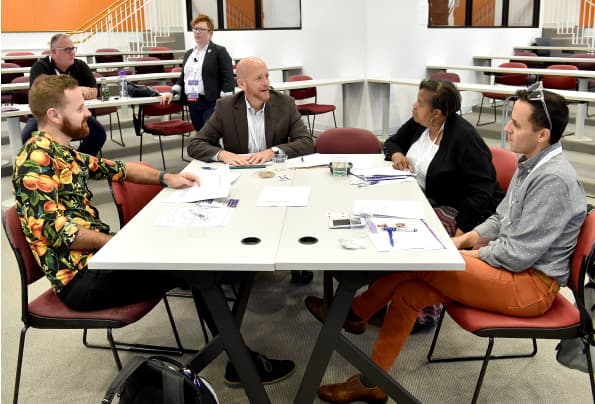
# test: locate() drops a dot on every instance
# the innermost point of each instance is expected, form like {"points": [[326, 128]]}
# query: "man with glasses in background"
{"points": [[518, 272], [61, 60]]}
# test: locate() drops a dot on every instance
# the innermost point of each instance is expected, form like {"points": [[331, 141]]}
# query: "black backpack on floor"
{"points": [[159, 380]]}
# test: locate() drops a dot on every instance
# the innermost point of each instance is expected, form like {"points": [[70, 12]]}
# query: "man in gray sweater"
{"points": [[529, 239]]}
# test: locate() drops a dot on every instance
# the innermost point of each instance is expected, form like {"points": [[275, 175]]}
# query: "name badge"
{"points": [[192, 82]]}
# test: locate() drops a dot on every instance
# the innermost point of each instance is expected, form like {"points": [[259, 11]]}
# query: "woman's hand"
{"points": [[400, 162]]}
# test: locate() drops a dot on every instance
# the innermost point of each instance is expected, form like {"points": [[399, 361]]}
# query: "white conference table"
{"points": [[90, 56], [582, 49], [580, 96], [487, 59], [109, 65], [267, 239]]}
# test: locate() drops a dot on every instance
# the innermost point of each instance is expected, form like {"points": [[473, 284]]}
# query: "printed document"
{"points": [[213, 184], [283, 196]]}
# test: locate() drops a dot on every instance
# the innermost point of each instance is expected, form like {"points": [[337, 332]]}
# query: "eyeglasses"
{"points": [[535, 93], [200, 29], [70, 51]]}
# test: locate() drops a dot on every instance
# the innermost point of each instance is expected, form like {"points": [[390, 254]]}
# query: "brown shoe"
{"points": [[351, 390], [318, 308]]}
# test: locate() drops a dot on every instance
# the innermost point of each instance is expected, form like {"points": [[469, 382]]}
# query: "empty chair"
{"points": [[563, 320], [454, 77], [109, 111], [48, 312], [586, 65], [560, 82], [158, 68], [347, 141], [165, 53], [505, 162], [99, 58], [170, 127], [24, 62], [511, 79], [311, 108], [8, 78], [529, 54]]}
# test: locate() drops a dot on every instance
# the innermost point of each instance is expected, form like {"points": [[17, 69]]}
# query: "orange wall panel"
{"points": [[53, 15]]}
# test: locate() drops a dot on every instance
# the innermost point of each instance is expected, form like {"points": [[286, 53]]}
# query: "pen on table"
{"points": [[302, 158], [247, 167], [389, 230]]}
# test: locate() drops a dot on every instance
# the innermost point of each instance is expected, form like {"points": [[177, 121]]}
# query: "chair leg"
{"points": [[162, 155], [17, 379], [140, 157], [112, 345], [436, 332], [121, 142], [587, 346], [480, 111], [483, 370], [334, 119], [312, 129], [183, 136], [173, 324]]}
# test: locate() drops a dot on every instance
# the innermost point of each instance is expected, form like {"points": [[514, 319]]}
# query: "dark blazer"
{"points": [[79, 70], [460, 175], [217, 72], [283, 127]]}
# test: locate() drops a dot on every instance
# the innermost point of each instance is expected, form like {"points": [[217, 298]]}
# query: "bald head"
{"points": [[248, 65], [253, 77]]}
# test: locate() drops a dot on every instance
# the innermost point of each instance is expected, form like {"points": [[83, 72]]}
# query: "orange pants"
{"points": [[522, 294]]}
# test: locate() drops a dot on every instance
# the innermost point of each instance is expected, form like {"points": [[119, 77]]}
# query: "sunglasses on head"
{"points": [[535, 93]]}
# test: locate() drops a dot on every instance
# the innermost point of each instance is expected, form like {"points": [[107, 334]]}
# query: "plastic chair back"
{"points": [[560, 82], [25, 62], [302, 93], [583, 248], [505, 162], [347, 141], [512, 79], [108, 58], [9, 77], [454, 77], [21, 96]]}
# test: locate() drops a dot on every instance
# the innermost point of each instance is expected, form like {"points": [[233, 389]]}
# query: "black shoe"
{"points": [[270, 370], [419, 328], [302, 277]]}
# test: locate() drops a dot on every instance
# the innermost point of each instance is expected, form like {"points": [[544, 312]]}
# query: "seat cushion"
{"points": [[315, 109], [496, 96], [562, 314], [171, 127], [49, 306]]}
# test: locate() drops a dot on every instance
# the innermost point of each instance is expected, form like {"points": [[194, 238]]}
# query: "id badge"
{"points": [[192, 82], [192, 96]]}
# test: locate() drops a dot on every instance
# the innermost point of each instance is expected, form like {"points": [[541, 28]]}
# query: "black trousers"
{"points": [[94, 290]]}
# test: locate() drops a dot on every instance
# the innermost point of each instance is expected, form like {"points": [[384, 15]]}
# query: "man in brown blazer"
{"points": [[254, 124]]}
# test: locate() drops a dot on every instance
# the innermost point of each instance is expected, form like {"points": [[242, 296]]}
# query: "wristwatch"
{"points": [[276, 150]]}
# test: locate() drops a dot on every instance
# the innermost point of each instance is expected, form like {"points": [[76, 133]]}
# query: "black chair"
{"points": [[47, 311]]}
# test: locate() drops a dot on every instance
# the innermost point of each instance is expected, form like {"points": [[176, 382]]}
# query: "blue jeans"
{"points": [[92, 144], [200, 112]]}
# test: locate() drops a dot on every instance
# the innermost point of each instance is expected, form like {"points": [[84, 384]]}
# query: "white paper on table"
{"points": [[194, 216], [420, 239], [213, 184], [283, 196], [387, 170], [402, 209], [310, 160]]}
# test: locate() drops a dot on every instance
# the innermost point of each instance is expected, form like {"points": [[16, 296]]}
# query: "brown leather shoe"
{"points": [[318, 308], [351, 390]]}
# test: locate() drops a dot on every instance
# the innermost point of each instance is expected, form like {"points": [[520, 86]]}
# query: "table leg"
{"points": [[330, 339], [229, 337], [325, 344], [581, 112], [14, 137]]}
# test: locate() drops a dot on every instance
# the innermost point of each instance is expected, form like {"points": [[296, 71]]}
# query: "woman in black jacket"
{"points": [[452, 164]]}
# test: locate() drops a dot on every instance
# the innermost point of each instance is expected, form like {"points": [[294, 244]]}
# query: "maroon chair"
{"points": [[455, 78], [47, 311], [510, 79], [165, 53], [505, 162], [8, 78], [99, 58], [312, 108], [109, 111], [347, 141], [562, 321], [560, 82], [24, 62], [585, 65], [170, 127]]}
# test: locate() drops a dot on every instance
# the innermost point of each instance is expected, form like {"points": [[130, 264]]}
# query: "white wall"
{"points": [[345, 38], [399, 44]]}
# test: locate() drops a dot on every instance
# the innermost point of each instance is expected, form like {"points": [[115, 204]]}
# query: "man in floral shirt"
{"points": [[54, 202]]}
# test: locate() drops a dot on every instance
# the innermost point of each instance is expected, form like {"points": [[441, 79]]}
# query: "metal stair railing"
{"points": [[573, 18], [145, 20]]}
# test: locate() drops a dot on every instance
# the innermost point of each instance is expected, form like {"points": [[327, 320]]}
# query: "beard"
{"points": [[73, 131]]}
